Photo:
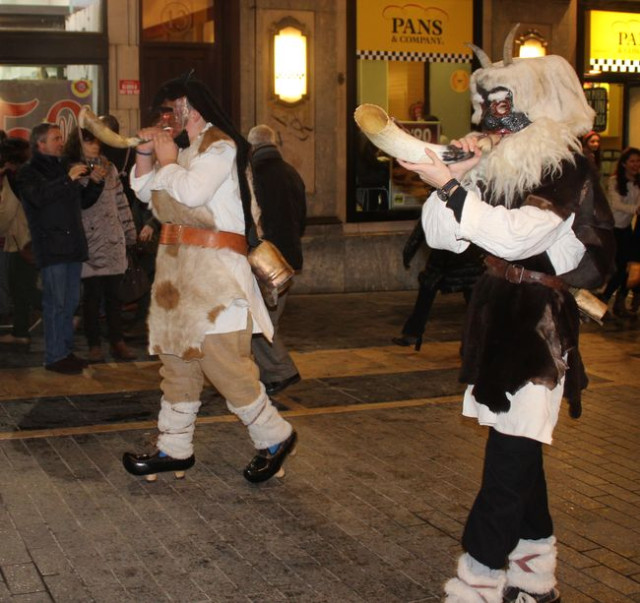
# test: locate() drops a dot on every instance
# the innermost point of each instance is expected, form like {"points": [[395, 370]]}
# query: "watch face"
{"points": [[441, 194]]}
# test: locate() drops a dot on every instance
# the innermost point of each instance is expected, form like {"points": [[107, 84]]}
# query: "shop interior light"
{"points": [[531, 44], [290, 73]]}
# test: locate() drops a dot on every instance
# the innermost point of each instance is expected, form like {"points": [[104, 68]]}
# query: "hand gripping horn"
{"points": [[89, 120], [388, 137]]}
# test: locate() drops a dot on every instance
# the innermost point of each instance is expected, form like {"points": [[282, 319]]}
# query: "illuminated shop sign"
{"points": [[26, 103], [614, 42], [415, 31]]}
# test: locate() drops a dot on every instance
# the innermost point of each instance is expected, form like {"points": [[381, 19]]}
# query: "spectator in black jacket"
{"points": [[280, 193], [53, 198]]}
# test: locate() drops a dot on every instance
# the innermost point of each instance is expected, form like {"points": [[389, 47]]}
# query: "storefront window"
{"points": [[55, 15], [607, 99], [32, 94], [180, 22], [611, 64], [412, 62]]}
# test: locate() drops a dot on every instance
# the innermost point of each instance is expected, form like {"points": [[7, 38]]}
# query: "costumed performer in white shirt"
{"points": [[205, 301], [535, 207]]}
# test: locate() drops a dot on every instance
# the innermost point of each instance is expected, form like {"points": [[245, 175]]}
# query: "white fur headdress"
{"points": [[546, 90], [541, 87]]}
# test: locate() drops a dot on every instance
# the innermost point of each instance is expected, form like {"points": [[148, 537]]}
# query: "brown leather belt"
{"points": [[516, 274], [174, 234]]}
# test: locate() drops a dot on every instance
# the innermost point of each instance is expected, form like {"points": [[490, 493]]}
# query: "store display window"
{"points": [[412, 61]]}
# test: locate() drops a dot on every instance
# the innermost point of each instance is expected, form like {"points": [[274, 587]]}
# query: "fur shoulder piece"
{"points": [[212, 135]]}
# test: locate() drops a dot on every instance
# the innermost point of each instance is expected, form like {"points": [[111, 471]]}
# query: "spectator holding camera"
{"points": [[53, 198], [109, 228]]}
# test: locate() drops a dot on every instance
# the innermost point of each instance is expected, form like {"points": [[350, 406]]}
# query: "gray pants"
{"points": [[273, 359]]}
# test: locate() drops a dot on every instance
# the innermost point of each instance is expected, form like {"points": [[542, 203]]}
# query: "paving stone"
{"points": [[22, 578], [50, 560], [12, 550], [601, 593], [613, 579], [372, 506], [616, 562], [5, 593], [40, 597]]}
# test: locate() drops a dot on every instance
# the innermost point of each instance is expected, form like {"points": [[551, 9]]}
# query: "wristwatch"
{"points": [[445, 189]]}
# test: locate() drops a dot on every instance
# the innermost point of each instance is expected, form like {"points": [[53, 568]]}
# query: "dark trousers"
{"points": [[22, 276], [417, 321], [95, 289], [512, 502], [60, 296], [625, 243]]}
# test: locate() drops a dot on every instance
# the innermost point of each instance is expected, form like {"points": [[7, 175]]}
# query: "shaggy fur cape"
{"points": [[520, 333], [516, 333], [192, 285]]}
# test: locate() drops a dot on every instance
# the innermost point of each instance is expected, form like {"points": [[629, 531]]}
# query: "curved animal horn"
{"points": [[508, 46], [482, 56], [89, 120], [385, 134]]}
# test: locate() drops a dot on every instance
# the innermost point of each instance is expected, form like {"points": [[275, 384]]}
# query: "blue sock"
{"points": [[273, 449], [162, 454]]}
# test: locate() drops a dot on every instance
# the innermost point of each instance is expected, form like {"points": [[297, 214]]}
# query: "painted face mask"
{"points": [[181, 110], [173, 115], [498, 116], [164, 118]]}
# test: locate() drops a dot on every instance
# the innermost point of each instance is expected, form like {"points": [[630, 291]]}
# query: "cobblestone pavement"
{"points": [[371, 508]]}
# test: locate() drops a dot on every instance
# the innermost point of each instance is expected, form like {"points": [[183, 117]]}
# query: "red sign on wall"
{"points": [[26, 103], [129, 86]]}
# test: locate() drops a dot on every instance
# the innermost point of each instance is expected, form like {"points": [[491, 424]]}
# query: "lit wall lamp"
{"points": [[290, 61], [531, 44]]}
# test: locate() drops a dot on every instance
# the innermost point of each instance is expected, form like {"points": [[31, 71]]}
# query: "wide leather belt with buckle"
{"points": [[516, 274], [174, 234]]}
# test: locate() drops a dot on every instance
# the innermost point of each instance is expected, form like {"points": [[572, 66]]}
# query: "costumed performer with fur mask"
{"points": [[535, 207], [205, 301]]}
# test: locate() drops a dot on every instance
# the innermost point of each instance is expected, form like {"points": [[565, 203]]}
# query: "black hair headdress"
{"points": [[202, 100]]}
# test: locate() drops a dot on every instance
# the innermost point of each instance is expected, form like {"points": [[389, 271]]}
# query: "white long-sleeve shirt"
{"points": [[511, 234], [210, 179], [623, 208]]}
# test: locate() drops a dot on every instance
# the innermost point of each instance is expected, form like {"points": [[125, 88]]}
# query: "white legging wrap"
{"points": [[176, 424], [266, 426], [475, 583], [532, 565]]}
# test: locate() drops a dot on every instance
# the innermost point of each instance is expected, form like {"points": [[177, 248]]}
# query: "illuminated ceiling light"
{"points": [[531, 44], [290, 62]]}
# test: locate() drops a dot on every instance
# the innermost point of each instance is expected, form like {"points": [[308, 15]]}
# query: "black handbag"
{"points": [[135, 281]]}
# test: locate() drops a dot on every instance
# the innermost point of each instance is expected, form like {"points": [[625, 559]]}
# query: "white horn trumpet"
{"points": [[383, 132], [89, 120]]}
